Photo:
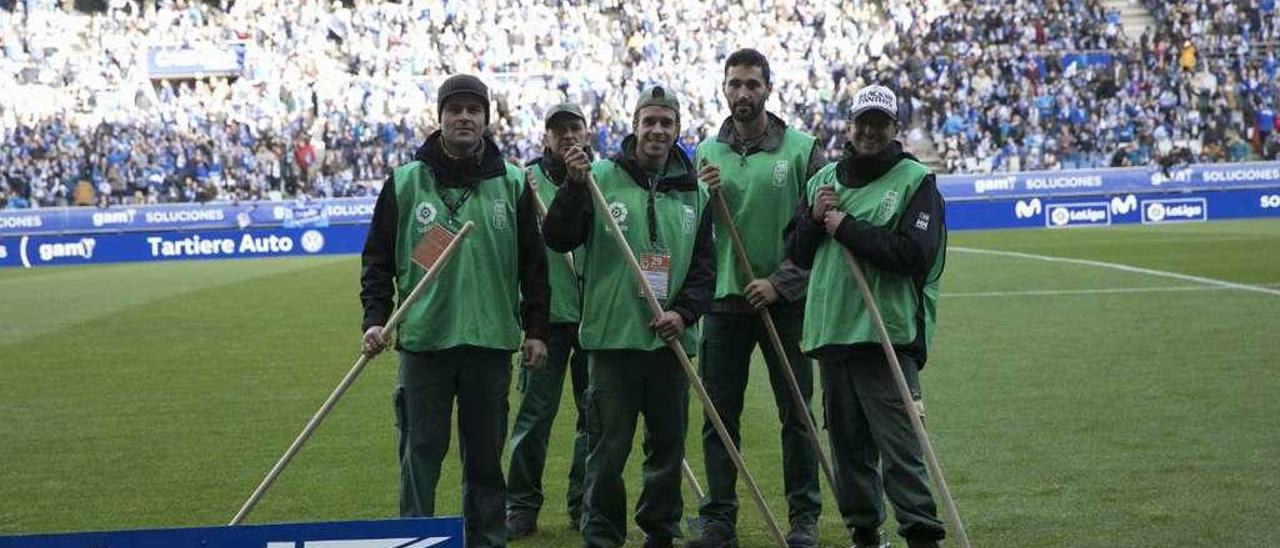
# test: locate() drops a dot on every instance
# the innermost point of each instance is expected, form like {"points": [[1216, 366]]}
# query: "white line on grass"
{"points": [[1094, 291], [1124, 268]]}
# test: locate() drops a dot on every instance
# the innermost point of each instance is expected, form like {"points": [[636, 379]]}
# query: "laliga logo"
{"points": [[1155, 212], [1027, 210], [312, 241], [1059, 216], [1123, 207], [619, 212], [424, 213]]}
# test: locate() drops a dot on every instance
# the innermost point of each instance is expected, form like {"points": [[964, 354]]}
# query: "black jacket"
{"points": [[908, 248], [571, 216], [378, 270]]}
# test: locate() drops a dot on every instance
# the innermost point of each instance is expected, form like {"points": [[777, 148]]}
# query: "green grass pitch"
{"points": [[1070, 404]]}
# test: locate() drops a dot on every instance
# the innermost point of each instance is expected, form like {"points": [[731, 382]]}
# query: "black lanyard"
{"points": [[457, 205]]}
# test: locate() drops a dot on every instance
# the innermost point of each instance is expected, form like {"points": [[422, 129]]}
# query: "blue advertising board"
{"points": [[52, 250], [89, 220], [1113, 209], [1084, 182], [391, 533], [1061, 199]]}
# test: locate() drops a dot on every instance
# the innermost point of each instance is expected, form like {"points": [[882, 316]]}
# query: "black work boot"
{"points": [[804, 534], [715, 534], [520, 526], [868, 538]]}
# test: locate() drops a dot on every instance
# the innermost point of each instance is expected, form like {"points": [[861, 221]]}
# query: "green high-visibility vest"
{"points": [[566, 291], [475, 299], [834, 310], [762, 191], [614, 316]]}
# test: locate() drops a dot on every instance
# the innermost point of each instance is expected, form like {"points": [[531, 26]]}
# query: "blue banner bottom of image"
{"points": [[391, 533]]}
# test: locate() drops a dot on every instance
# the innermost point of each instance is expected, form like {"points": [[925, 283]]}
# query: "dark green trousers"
{"points": [[429, 382], [624, 385], [874, 446], [541, 389], [727, 343]]}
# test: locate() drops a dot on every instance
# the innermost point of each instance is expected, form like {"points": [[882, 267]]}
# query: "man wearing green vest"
{"points": [[760, 166], [566, 129], [456, 341], [664, 215], [884, 206]]}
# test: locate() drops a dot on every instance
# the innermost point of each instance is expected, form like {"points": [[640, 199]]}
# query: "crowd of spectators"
{"points": [[1021, 85], [329, 95]]}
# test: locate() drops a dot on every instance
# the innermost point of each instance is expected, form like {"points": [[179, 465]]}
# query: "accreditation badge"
{"points": [[432, 245], [656, 268]]}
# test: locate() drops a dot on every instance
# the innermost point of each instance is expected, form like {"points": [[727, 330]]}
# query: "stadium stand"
{"points": [[175, 101]]}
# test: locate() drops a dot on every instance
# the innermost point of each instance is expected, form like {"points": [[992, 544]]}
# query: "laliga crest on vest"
{"points": [[780, 173], [619, 212], [424, 213]]}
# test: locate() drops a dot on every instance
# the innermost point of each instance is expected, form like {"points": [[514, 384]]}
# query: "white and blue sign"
{"points": [[1117, 209], [392, 533], [1062, 215], [54, 250], [1175, 210], [86, 220], [1086, 182]]}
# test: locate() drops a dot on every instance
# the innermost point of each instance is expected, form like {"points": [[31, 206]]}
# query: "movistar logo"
{"points": [[1027, 210], [1123, 206]]}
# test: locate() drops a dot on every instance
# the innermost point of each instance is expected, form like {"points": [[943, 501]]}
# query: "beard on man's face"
{"points": [[746, 110]]}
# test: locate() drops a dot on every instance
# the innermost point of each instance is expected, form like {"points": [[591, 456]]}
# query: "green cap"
{"points": [[564, 108], [658, 96]]}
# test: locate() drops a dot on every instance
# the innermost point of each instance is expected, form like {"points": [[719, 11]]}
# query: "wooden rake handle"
{"points": [[396, 317], [602, 208]]}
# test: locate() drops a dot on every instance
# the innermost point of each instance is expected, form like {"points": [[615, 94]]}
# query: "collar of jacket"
{"points": [[775, 129], [460, 172], [855, 171], [677, 176]]}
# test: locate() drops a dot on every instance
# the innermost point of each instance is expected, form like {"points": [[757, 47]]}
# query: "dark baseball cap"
{"points": [[658, 96], [564, 108]]}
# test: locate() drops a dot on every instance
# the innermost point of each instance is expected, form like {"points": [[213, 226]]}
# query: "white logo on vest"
{"points": [[499, 214], [424, 213], [619, 212], [780, 169], [888, 206]]}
